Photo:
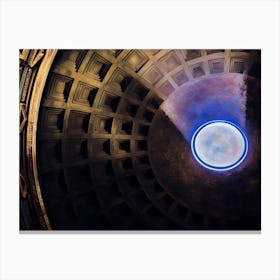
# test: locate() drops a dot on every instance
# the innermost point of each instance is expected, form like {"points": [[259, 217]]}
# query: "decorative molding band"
{"points": [[32, 122]]}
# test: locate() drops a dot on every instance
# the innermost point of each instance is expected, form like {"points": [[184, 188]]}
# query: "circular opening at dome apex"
{"points": [[219, 145]]}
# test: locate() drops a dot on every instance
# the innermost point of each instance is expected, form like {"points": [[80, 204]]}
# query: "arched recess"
{"points": [[34, 69]]}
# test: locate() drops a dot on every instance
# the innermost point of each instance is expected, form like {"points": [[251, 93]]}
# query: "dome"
{"points": [[119, 139]]}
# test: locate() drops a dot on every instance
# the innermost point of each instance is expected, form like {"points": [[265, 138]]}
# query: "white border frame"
{"points": [[152, 24]]}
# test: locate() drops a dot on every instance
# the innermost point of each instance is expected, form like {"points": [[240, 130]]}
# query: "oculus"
{"points": [[219, 145]]}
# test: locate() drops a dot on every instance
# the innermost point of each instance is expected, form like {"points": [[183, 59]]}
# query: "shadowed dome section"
{"points": [[109, 158]]}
